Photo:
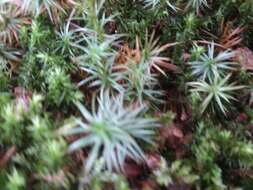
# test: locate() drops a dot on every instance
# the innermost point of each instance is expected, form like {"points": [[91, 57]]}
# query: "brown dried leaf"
{"points": [[126, 53], [7, 156], [132, 170], [153, 160], [230, 37], [159, 63], [245, 57], [242, 117], [171, 136]]}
